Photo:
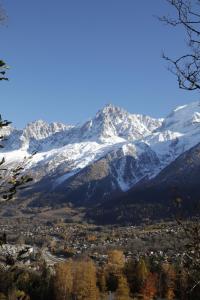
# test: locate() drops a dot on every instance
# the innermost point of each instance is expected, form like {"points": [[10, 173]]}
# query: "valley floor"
{"points": [[134, 260]]}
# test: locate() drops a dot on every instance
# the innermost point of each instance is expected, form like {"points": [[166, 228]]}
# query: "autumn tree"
{"points": [[149, 288], [169, 281], [101, 280], [84, 281], [63, 281], [122, 292], [116, 258], [116, 263], [141, 272]]}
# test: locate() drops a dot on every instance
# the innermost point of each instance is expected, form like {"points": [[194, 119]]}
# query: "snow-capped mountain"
{"points": [[115, 123], [173, 193], [108, 154]]}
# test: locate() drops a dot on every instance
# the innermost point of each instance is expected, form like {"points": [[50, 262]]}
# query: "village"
{"points": [[27, 242]]}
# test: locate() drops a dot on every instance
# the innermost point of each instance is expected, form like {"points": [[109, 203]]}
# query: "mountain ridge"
{"points": [[108, 154]]}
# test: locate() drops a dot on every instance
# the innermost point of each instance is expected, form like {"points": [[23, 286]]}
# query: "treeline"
{"points": [[82, 279]]}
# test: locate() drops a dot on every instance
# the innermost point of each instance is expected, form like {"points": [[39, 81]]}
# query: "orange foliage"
{"points": [[117, 258], [149, 289]]}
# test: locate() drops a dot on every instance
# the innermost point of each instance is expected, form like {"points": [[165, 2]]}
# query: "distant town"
{"points": [[57, 242]]}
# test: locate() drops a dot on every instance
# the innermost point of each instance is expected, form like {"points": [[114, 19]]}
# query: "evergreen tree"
{"points": [[130, 272]]}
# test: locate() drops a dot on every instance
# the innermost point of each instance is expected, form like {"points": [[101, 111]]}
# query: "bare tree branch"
{"points": [[187, 67]]}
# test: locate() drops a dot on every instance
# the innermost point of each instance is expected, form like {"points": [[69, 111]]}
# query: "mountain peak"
{"points": [[113, 122], [39, 122], [110, 109], [40, 129]]}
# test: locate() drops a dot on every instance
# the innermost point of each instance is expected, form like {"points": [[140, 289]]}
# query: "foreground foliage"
{"points": [[81, 279]]}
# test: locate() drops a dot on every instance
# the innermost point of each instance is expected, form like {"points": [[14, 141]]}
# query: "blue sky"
{"points": [[69, 58]]}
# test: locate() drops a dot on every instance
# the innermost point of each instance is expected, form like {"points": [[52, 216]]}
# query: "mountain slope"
{"points": [[106, 156], [174, 191]]}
